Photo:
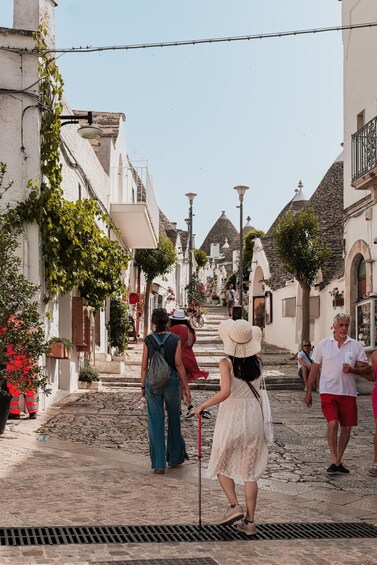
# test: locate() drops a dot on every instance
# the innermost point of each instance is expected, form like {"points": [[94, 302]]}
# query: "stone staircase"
{"points": [[280, 372]]}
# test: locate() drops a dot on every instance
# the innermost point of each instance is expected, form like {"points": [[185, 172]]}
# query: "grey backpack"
{"points": [[159, 371]]}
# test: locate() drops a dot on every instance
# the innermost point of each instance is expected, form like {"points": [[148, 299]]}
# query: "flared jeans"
{"points": [[174, 452]]}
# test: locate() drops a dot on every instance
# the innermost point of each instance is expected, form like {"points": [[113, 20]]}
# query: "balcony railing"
{"points": [[364, 153]]}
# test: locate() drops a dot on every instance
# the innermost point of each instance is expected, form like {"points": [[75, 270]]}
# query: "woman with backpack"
{"points": [[160, 395]]}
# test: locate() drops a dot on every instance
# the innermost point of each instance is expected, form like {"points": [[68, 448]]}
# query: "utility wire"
{"points": [[91, 49]]}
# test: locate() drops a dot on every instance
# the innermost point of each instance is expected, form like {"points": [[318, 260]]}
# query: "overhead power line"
{"points": [[277, 34]]}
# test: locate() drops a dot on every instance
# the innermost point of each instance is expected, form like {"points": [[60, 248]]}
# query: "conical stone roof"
{"points": [[223, 228]]}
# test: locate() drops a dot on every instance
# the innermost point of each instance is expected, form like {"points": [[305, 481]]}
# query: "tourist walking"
{"points": [[229, 297], [239, 450], [180, 326], [173, 452], [341, 359], [373, 470]]}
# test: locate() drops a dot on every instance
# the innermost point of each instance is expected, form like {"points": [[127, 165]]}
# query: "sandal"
{"points": [[373, 470]]}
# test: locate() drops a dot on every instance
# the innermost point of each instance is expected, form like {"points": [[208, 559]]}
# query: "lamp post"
{"points": [[190, 196], [87, 132], [241, 191]]}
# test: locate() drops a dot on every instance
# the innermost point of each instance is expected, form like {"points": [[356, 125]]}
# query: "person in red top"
{"points": [[180, 326]]}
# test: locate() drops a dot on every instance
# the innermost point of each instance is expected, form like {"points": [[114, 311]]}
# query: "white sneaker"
{"points": [[232, 515], [190, 412], [249, 529]]}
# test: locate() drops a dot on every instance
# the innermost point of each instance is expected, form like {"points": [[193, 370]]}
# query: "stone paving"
{"points": [[84, 461]]}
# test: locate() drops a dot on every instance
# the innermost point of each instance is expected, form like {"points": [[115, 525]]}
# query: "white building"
{"points": [[98, 169]]}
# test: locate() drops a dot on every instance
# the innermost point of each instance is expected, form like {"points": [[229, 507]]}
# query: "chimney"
{"points": [[28, 15]]}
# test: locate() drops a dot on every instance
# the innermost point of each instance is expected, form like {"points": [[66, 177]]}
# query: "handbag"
{"points": [[264, 403]]}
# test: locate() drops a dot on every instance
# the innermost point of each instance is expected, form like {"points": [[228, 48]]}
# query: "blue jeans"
{"points": [[170, 396]]}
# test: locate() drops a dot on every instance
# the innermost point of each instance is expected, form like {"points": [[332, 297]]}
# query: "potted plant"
{"points": [[22, 336], [215, 298], [337, 297], [89, 378], [59, 348]]}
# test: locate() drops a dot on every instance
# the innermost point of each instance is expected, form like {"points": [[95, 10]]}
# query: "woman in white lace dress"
{"points": [[239, 450]]}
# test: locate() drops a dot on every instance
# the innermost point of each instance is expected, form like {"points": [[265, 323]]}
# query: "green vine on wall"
{"points": [[77, 254]]}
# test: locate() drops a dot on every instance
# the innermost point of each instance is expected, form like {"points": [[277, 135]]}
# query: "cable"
{"points": [[89, 49], [277, 34]]}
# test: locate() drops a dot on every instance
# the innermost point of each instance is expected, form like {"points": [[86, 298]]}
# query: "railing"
{"points": [[364, 149]]}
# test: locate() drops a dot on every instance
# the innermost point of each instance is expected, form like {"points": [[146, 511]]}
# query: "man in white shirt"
{"points": [[304, 362], [341, 358]]}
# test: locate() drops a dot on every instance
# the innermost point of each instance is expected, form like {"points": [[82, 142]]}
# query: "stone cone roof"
{"points": [[327, 203], [223, 228]]}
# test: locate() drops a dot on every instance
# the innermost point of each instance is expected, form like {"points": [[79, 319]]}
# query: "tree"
{"points": [[200, 258], [303, 252], [154, 263]]}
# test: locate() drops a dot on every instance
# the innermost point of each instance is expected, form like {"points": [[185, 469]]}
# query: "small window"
{"points": [[360, 120], [314, 307], [289, 307]]}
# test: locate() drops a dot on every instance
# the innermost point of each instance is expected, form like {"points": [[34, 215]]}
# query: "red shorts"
{"points": [[342, 408]]}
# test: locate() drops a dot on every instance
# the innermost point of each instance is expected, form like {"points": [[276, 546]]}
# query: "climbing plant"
{"points": [[76, 251]]}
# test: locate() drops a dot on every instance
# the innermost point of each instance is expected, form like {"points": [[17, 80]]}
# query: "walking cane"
{"points": [[200, 468]]}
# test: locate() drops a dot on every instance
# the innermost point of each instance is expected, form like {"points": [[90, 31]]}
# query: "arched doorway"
{"points": [[358, 274]]}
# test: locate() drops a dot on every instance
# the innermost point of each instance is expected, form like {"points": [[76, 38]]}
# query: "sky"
{"points": [[261, 113]]}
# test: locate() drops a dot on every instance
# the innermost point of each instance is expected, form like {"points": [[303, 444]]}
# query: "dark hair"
{"points": [[247, 368], [160, 319], [184, 322]]}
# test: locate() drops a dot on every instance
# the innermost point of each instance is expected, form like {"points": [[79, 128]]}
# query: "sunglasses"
{"points": [[307, 344]]}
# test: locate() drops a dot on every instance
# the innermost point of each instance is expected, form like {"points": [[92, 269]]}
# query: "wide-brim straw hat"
{"points": [[240, 338], [178, 314]]}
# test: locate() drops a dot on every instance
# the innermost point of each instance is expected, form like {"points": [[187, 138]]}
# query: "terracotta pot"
{"points": [[58, 351], [338, 302]]}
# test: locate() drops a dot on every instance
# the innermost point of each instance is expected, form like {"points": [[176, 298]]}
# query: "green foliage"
{"points": [[22, 337], [76, 252], [196, 290], [200, 258], [88, 375], [118, 325], [156, 262], [300, 246], [232, 279], [247, 252]]}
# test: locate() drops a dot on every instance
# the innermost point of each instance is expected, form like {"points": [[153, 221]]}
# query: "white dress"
{"points": [[239, 450]]}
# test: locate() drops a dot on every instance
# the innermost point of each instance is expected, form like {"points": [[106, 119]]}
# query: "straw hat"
{"points": [[240, 338], [178, 314]]}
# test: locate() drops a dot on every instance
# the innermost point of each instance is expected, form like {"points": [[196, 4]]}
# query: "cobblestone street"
{"points": [[94, 445]]}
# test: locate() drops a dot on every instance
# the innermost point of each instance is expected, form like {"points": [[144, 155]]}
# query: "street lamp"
{"points": [[190, 196], [241, 191], [89, 131]]}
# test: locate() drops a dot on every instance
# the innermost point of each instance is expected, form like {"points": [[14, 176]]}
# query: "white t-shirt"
{"points": [[304, 356], [331, 357]]}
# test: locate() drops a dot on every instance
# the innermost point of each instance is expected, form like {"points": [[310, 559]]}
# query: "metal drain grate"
{"points": [[66, 535], [187, 561]]}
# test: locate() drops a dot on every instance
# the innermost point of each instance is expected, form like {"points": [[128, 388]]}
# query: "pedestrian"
{"points": [[174, 452], [341, 358], [239, 450], [229, 296], [304, 362], [180, 326], [373, 470]]}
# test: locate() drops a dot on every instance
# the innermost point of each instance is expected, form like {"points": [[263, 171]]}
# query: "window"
{"points": [[314, 307], [289, 307], [361, 280], [360, 120]]}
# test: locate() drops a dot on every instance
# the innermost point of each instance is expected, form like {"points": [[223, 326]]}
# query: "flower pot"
{"points": [[337, 302], [94, 385], [58, 351], [4, 410]]}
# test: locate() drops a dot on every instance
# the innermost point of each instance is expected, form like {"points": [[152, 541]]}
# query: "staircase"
{"points": [[280, 372]]}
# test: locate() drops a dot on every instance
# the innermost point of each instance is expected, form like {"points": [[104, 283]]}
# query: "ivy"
{"points": [[76, 252]]}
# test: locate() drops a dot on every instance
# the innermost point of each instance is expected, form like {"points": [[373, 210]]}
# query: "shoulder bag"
{"points": [[264, 403]]}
